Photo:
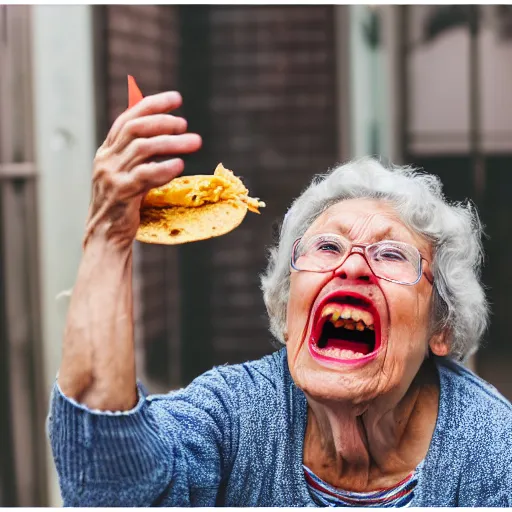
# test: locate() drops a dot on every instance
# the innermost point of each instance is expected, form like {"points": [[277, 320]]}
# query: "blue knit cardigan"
{"points": [[234, 437]]}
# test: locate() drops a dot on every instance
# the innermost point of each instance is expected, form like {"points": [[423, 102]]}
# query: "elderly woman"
{"points": [[373, 289]]}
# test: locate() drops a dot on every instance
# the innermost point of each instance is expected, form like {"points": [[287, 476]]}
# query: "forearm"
{"points": [[98, 360]]}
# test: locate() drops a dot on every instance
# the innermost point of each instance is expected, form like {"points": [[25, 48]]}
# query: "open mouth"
{"points": [[347, 329]]}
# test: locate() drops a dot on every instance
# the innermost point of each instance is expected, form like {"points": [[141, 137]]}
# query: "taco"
{"points": [[191, 208]]}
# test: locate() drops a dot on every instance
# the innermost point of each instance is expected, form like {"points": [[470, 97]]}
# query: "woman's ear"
{"points": [[439, 344]]}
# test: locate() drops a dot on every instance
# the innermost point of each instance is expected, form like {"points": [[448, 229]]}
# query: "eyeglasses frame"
{"points": [[362, 250]]}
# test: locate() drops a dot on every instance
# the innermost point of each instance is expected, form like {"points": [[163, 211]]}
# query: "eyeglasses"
{"points": [[393, 261]]}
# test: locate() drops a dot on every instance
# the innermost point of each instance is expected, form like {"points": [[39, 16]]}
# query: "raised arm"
{"points": [[98, 362]]}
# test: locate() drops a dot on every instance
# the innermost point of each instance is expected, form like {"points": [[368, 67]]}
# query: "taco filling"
{"points": [[195, 191]]}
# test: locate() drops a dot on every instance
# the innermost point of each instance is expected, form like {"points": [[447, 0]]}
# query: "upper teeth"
{"points": [[351, 318]]}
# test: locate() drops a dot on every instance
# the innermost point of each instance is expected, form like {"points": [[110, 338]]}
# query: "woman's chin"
{"points": [[344, 383]]}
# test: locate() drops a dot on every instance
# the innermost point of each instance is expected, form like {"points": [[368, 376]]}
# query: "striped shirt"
{"points": [[400, 495]]}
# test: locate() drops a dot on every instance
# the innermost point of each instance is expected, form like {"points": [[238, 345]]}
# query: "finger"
{"points": [[149, 126], [155, 174], [150, 105], [143, 149]]}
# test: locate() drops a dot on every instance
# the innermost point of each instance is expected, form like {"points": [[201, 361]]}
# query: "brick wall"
{"points": [[273, 123], [269, 100]]}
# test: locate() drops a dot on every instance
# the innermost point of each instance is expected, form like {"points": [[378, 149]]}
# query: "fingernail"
{"points": [[174, 96], [175, 162]]}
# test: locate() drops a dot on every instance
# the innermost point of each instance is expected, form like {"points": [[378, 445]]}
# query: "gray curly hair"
{"points": [[459, 306]]}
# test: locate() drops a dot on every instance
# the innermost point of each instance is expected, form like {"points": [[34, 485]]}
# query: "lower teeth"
{"points": [[339, 353]]}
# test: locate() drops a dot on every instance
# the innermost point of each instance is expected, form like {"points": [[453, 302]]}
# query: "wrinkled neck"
{"points": [[367, 442]]}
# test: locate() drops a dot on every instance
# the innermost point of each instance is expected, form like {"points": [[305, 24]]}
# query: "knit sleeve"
{"points": [[171, 450]]}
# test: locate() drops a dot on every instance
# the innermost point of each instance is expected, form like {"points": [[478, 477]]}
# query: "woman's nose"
{"points": [[355, 267]]}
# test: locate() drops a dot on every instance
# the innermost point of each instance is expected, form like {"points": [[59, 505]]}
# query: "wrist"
{"points": [[99, 242], [116, 230]]}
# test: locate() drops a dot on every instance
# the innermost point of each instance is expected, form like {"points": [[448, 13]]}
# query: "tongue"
{"points": [[355, 346]]}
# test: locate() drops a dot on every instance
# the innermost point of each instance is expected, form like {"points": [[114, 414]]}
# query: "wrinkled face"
{"points": [[351, 335]]}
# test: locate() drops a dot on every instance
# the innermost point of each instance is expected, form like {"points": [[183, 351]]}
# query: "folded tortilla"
{"points": [[192, 208]]}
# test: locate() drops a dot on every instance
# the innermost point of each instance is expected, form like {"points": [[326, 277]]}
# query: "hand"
{"points": [[125, 167]]}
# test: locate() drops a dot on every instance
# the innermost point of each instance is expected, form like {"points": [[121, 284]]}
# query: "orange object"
{"points": [[134, 94]]}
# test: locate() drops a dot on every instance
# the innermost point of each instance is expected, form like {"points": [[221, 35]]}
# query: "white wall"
{"points": [[439, 80], [369, 83], [65, 146]]}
